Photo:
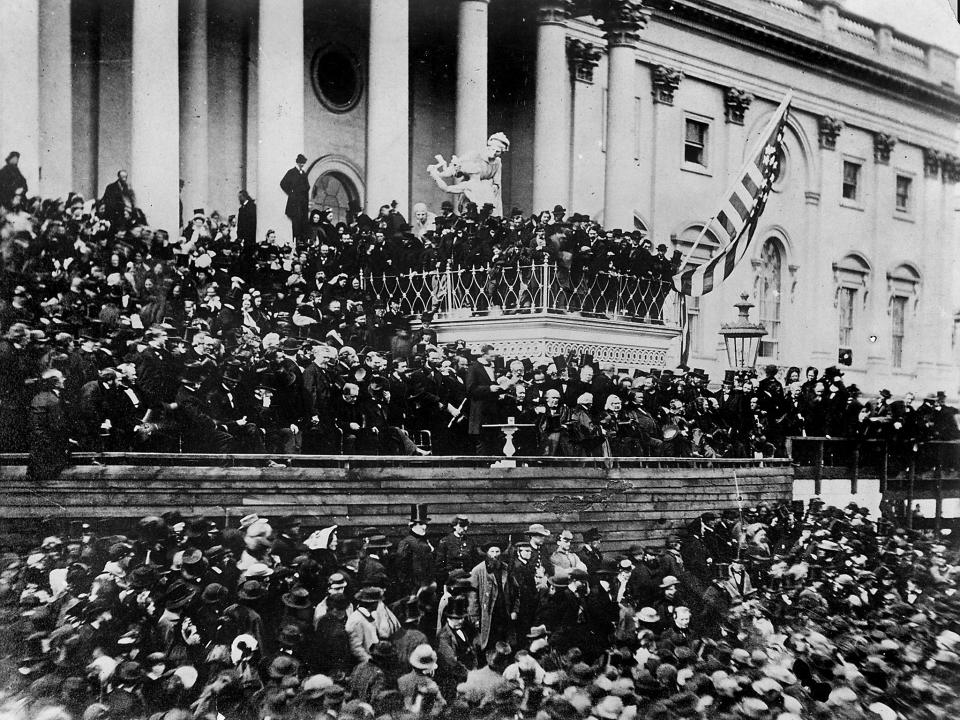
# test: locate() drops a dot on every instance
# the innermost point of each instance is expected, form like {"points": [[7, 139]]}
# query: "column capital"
{"points": [[583, 57], [882, 147], [829, 129], [554, 12], [622, 20], [932, 161], [736, 102], [951, 168], [666, 80]]}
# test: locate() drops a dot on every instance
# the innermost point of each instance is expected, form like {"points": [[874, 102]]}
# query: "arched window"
{"points": [[851, 275], [903, 283], [335, 191], [705, 249], [768, 287]]}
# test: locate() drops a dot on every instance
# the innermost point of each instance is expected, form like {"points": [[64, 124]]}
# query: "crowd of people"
{"points": [[770, 613], [115, 337]]}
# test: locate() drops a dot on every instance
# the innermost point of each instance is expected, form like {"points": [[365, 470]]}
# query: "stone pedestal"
{"points": [[471, 121], [388, 106], [20, 87], [56, 107], [194, 120], [551, 132], [280, 133], [155, 161]]}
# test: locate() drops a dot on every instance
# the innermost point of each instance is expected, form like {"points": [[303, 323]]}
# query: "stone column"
{"points": [[155, 161], [194, 147], [388, 106], [471, 128], [551, 129], [20, 87], [56, 108], [622, 23], [280, 133]]}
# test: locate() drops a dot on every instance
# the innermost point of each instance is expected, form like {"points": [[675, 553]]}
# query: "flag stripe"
{"points": [[736, 219]]}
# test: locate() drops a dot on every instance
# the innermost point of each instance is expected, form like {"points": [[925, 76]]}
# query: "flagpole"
{"points": [[754, 151]]}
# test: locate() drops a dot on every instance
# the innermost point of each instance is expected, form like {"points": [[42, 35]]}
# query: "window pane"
{"points": [[845, 307], [904, 186], [851, 177], [768, 301], [897, 313], [695, 131], [695, 142]]}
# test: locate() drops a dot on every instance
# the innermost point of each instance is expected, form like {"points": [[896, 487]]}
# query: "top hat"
{"points": [[457, 607], [419, 514], [591, 534]]}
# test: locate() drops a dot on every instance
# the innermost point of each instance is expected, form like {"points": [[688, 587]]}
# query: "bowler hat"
{"points": [[423, 657], [297, 599], [251, 590], [301, 158]]}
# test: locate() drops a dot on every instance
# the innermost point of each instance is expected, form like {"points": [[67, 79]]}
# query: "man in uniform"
{"points": [[456, 551]]}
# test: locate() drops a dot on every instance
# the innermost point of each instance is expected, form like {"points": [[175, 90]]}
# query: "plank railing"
{"points": [[907, 472]]}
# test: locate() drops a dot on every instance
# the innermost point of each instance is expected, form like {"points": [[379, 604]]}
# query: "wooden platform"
{"points": [[629, 500]]}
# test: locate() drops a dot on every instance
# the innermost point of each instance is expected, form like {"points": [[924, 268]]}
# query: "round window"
{"points": [[336, 78]]}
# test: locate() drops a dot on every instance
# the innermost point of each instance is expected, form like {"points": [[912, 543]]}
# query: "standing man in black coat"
{"points": [[117, 197], [297, 188], [246, 220], [11, 180], [484, 392]]}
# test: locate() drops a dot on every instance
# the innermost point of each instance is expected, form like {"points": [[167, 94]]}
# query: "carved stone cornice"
{"points": [[554, 12], [882, 147], [622, 20], [829, 129], [666, 80], [932, 160], [583, 58], [736, 102], [951, 168]]}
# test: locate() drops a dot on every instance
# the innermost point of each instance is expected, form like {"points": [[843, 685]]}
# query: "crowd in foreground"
{"points": [[771, 614]]}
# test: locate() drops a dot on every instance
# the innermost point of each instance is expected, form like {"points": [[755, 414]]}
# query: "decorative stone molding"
{"points": [[622, 20], [666, 80], [951, 168], [736, 102], [583, 58], [932, 160], [812, 197], [554, 12], [829, 129], [882, 147]]}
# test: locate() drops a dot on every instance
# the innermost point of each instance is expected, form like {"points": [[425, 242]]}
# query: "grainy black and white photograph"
{"points": [[479, 360]]}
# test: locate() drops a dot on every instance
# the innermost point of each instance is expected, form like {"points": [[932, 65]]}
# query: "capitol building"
{"points": [[637, 114]]}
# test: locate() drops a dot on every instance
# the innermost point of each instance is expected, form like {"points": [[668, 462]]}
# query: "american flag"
{"points": [[739, 212]]}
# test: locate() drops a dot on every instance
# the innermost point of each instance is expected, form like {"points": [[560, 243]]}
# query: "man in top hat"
{"points": [[415, 558], [297, 189], [456, 551], [455, 650], [523, 578]]}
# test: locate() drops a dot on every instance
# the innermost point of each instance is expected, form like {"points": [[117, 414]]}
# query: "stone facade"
{"points": [[869, 166]]}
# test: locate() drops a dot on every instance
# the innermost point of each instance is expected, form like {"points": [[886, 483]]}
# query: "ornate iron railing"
{"points": [[528, 289]]}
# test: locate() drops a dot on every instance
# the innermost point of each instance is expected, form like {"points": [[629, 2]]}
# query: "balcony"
{"points": [[543, 310]]}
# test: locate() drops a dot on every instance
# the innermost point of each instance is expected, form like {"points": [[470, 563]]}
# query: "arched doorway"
{"points": [[336, 191]]}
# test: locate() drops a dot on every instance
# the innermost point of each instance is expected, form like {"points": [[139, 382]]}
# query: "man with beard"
{"points": [[552, 418], [643, 583], [496, 597]]}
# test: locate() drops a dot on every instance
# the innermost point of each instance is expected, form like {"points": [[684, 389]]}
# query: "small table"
{"points": [[508, 429]]}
